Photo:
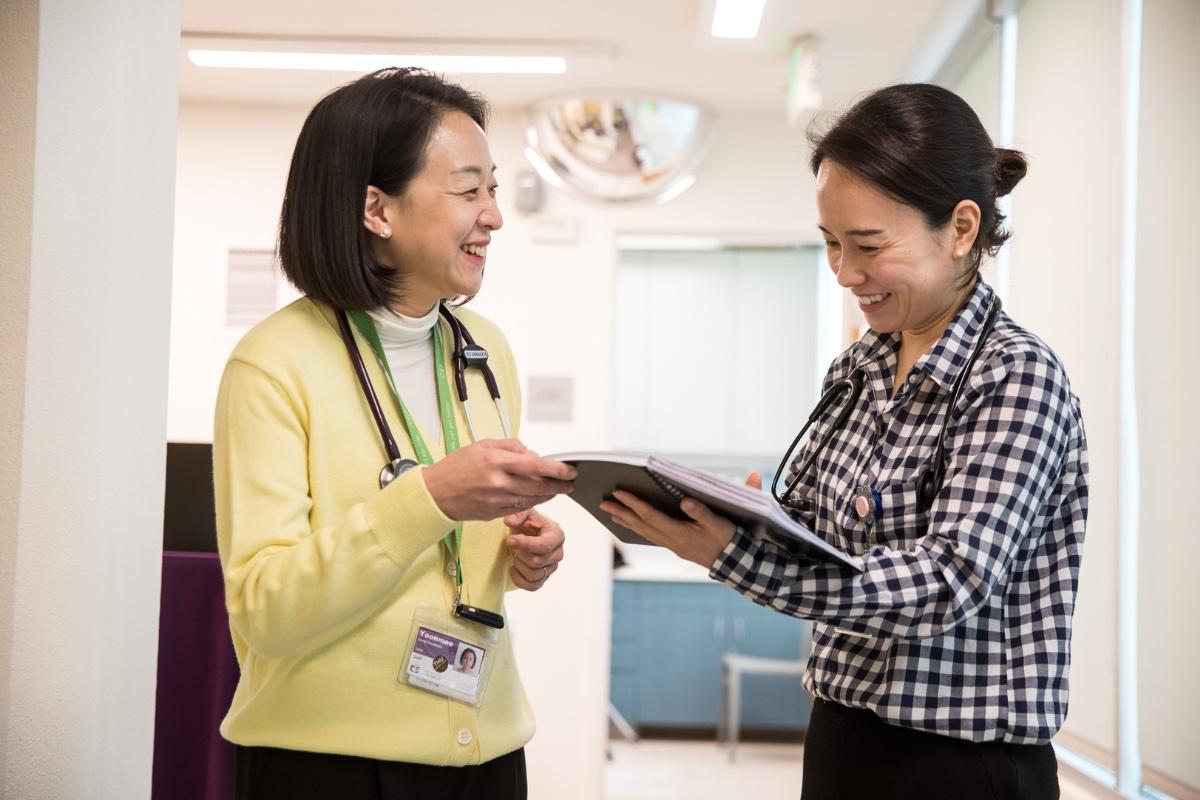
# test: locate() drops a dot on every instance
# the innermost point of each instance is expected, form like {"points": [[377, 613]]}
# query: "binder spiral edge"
{"points": [[666, 486]]}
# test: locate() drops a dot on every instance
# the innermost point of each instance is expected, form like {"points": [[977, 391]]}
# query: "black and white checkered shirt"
{"points": [[961, 622]]}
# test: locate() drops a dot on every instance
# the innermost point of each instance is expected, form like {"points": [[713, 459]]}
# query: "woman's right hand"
{"points": [[493, 478]]}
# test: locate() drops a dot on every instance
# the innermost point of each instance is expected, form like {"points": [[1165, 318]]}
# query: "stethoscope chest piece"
{"points": [[864, 506], [394, 469], [867, 503]]}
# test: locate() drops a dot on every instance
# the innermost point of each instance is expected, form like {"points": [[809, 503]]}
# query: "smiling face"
{"points": [[441, 225], [906, 277]]}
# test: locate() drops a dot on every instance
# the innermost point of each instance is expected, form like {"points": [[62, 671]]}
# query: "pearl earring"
{"points": [[384, 233], [958, 253]]}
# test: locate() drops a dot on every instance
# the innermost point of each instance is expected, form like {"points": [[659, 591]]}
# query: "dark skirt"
{"points": [[268, 773]]}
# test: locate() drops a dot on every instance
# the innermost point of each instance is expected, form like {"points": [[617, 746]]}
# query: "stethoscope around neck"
{"points": [[846, 391], [467, 354]]}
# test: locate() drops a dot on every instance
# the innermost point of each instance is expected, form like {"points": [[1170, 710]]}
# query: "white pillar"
{"points": [[1129, 759], [18, 104], [87, 292]]}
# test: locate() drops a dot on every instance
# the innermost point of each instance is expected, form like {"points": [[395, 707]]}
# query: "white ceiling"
{"points": [[653, 45]]}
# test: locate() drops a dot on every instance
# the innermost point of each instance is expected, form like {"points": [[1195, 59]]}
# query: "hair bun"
{"points": [[1010, 169]]}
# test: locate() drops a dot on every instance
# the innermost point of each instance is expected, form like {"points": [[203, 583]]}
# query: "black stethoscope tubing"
{"points": [[397, 464], [466, 354], [852, 386], [930, 481], [364, 380]]}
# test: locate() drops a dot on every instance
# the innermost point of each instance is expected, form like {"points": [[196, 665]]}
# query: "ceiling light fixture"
{"points": [[737, 19], [361, 62]]}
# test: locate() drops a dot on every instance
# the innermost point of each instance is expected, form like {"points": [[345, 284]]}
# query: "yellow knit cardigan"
{"points": [[323, 570]]}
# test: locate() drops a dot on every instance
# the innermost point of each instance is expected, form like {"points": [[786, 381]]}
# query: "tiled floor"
{"points": [[669, 770]]}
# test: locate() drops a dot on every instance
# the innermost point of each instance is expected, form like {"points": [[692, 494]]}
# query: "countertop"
{"points": [[647, 563]]}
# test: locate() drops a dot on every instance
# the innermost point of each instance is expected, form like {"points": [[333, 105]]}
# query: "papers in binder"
{"points": [[662, 483]]}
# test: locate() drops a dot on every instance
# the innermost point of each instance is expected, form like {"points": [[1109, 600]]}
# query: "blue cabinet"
{"points": [[667, 642]]}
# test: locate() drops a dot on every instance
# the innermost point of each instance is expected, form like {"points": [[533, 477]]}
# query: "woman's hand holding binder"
{"points": [[699, 539]]}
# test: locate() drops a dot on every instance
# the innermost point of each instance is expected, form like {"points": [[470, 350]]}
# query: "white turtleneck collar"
{"points": [[397, 330], [405, 342]]}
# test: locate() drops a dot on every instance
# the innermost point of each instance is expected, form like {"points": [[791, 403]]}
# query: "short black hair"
{"points": [[925, 147], [371, 132]]}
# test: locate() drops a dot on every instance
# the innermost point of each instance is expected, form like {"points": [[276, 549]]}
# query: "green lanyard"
{"points": [[366, 326]]}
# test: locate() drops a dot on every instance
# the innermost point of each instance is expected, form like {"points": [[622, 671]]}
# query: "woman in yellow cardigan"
{"points": [[351, 590]]}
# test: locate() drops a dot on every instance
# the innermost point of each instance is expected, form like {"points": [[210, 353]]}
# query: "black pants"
{"points": [[268, 773], [852, 753]]}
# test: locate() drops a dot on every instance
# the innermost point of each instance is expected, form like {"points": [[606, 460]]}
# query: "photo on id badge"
{"points": [[445, 664]]}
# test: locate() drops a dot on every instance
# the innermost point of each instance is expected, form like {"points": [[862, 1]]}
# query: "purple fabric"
{"points": [[197, 673]]}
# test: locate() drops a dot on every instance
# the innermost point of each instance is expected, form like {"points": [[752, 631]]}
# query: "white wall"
{"points": [[230, 173], [1064, 288], [555, 304], [1067, 117], [980, 86], [92, 273], [1168, 386]]}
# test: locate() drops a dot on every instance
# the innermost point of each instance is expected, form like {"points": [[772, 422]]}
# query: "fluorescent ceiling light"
{"points": [[360, 62], [737, 19]]}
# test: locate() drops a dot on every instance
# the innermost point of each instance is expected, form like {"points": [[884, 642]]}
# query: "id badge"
{"points": [[449, 658]]}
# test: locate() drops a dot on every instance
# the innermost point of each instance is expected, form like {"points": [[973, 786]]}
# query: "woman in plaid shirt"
{"points": [[940, 670]]}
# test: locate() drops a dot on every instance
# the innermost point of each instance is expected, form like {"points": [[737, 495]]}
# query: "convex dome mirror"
{"points": [[619, 149]]}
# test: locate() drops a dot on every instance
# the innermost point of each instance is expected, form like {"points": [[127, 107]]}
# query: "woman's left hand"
{"points": [[536, 544], [700, 538]]}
